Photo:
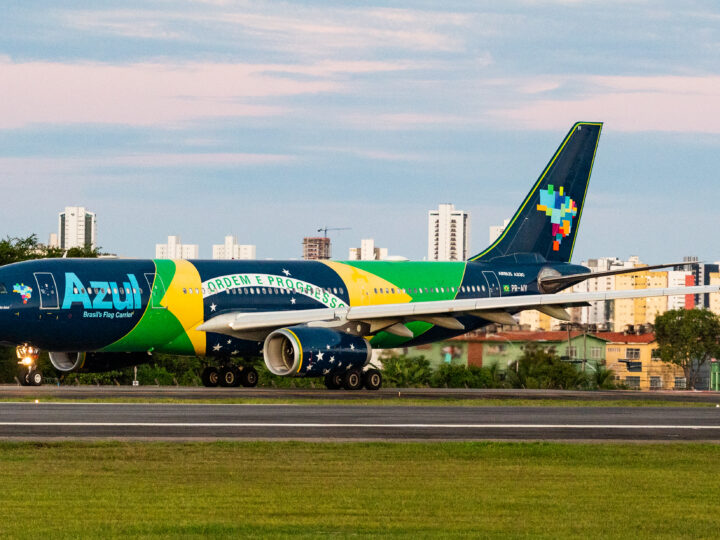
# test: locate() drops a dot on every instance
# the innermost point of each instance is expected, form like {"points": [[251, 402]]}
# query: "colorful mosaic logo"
{"points": [[561, 209], [24, 291]]}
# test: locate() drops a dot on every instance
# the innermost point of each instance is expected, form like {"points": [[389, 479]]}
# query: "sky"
{"points": [[270, 120]]}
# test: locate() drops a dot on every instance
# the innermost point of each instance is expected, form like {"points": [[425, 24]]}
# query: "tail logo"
{"points": [[561, 209]]}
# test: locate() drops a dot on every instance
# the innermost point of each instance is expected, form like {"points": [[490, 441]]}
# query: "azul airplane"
{"points": [[305, 318]]}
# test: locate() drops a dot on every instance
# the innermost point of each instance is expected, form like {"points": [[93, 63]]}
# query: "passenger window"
{"points": [[375, 291], [264, 291], [184, 291], [392, 290], [341, 290]]}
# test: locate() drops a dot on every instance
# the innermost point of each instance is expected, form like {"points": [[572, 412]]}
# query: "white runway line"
{"points": [[356, 426]]}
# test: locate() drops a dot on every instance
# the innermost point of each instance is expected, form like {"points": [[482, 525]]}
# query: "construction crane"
{"points": [[325, 229]]}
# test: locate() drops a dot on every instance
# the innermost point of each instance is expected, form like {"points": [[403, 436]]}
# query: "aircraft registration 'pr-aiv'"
{"points": [[306, 318]]}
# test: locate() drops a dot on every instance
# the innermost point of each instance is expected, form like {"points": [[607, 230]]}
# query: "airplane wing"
{"points": [[368, 320]]}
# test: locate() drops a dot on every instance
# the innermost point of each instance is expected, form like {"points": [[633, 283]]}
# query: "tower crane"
{"points": [[325, 229]]}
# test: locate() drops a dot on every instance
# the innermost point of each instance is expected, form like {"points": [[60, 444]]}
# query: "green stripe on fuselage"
{"points": [[443, 276], [413, 275], [158, 329]]}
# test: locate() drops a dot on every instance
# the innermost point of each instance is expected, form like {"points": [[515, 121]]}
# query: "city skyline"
{"points": [[274, 119]]}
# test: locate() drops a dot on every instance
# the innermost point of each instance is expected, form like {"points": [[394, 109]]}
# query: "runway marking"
{"points": [[345, 425]]}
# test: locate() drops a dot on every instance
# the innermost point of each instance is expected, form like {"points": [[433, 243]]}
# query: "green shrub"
{"points": [[405, 372]]}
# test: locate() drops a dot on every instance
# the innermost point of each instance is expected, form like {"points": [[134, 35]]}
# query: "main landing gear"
{"points": [[229, 375], [354, 379], [27, 357]]}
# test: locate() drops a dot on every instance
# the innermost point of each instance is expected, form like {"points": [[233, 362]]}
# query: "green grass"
{"points": [[289, 489], [385, 401]]}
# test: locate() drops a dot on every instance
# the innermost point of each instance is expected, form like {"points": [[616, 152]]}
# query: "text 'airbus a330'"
{"points": [[305, 318]]}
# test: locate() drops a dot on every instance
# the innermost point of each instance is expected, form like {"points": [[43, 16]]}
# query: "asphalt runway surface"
{"points": [[193, 393], [341, 422]]}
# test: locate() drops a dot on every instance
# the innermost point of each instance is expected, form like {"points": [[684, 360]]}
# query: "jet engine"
{"points": [[92, 362], [302, 351]]}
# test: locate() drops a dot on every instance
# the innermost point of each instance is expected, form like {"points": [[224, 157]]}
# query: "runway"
{"points": [[187, 422], [194, 393]]}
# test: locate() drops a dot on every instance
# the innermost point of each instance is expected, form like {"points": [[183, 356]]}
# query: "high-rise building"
{"points": [[175, 249], [232, 250], [315, 248], [497, 230], [637, 311], [448, 234], [367, 251], [53, 241], [602, 312], [714, 304], [77, 228], [701, 272], [681, 278]]}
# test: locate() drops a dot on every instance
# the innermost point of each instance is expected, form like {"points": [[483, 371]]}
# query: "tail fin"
{"points": [[548, 219]]}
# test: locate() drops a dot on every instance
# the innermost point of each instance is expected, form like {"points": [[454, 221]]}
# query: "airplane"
{"points": [[306, 318]]}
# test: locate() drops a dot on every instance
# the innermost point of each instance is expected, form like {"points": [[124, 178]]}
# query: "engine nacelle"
{"points": [[93, 362], [301, 351]]}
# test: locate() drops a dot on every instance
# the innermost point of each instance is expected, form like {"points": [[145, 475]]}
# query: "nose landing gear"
{"points": [[27, 357]]}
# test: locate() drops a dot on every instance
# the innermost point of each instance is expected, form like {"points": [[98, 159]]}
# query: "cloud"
{"points": [[23, 167], [156, 94], [295, 29], [628, 103]]}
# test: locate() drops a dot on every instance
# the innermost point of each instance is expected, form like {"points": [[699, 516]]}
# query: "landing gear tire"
{"points": [[210, 377], [333, 381], [249, 377], [34, 378], [372, 379], [229, 376], [353, 380]]}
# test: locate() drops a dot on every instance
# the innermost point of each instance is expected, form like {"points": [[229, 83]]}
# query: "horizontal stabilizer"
{"points": [[555, 283]]}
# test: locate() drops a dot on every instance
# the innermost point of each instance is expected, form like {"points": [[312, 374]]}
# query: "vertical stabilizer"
{"points": [[548, 219]]}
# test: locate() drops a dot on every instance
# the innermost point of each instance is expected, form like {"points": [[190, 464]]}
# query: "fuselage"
{"points": [[117, 305]]}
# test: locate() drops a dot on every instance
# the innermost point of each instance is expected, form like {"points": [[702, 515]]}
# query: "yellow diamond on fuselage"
{"points": [[362, 286]]}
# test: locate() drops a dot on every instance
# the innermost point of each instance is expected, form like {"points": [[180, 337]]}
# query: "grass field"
{"points": [[288, 489]]}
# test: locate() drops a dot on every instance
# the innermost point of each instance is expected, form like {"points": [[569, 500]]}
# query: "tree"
{"points": [[688, 338], [14, 249]]}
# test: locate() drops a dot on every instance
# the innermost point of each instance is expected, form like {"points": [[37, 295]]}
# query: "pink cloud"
{"points": [[140, 94], [671, 103]]}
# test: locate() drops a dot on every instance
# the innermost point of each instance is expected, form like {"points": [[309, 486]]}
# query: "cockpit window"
{"points": [[3, 290]]}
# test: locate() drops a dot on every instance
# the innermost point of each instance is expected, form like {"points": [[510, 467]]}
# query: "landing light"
{"points": [[27, 361]]}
